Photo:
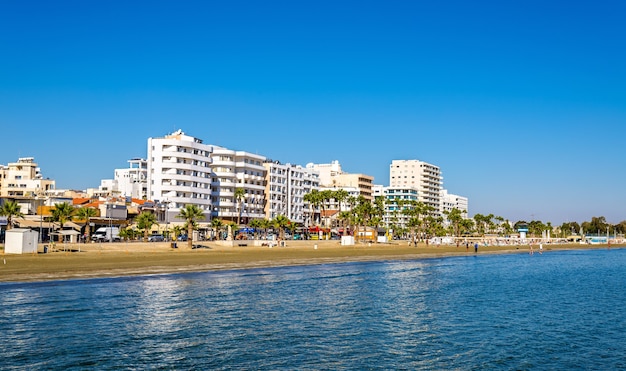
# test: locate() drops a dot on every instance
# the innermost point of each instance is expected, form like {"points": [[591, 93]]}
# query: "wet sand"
{"points": [[82, 261]]}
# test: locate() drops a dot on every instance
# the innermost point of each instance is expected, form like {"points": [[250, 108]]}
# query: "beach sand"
{"points": [[80, 261]]}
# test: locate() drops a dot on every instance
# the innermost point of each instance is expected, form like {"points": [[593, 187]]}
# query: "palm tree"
{"points": [[11, 209], [455, 216], [216, 224], [314, 198], [257, 224], [280, 222], [145, 221], [177, 230], [191, 214], [240, 195], [62, 213], [86, 213]]}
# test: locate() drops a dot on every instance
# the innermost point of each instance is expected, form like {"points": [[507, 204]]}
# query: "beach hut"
{"points": [[21, 241]]}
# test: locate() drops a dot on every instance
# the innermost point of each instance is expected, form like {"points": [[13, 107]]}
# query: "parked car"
{"points": [[182, 237], [156, 238]]}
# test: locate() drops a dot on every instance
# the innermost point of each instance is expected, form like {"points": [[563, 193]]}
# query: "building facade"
{"points": [[237, 169], [424, 177], [332, 176], [450, 201], [132, 181], [286, 185], [179, 173], [23, 179]]}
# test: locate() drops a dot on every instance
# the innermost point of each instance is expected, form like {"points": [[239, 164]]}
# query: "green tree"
{"points": [[216, 225], [280, 222], [455, 216], [314, 199], [145, 221], [191, 214], [86, 213], [240, 195], [257, 224], [62, 213], [11, 210], [127, 234]]}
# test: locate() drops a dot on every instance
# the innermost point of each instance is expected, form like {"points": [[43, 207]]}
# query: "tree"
{"points": [[280, 222], [86, 213], [62, 213], [127, 233], [455, 216], [240, 195], [340, 196], [11, 209], [257, 224], [216, 224], [314, 198], [325, 196], [191, 214], [145, 221]]}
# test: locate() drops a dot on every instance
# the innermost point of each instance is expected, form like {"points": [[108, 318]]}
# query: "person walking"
{"points": [[475, 247]]}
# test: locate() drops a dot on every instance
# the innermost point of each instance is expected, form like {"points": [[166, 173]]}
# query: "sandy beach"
{"points": [[81, 261]]}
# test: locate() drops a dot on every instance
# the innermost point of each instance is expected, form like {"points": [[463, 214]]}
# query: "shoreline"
{"points": [[142, 259]]}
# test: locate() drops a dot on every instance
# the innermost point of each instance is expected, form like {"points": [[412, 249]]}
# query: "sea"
{"points": [[559, 310]]}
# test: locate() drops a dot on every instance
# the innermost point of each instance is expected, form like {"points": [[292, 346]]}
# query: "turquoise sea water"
{"points": [[556, 310]]}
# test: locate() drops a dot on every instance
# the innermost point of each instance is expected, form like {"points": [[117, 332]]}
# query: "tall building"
{"points": [[396, 201], [326, 171], [286, 185], [179, 173], [237, 169], [132, 181], [23, 179], [332, 176], [450, 201], [424, 177]]}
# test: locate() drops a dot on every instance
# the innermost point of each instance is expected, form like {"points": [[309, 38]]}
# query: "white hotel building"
{"points": [[424, 177], [237, 169], [179, 173], [285, 189]]}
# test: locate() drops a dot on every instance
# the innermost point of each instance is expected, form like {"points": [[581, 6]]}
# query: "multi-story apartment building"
{"points": [[396, 201], [286, 185], [179, 173], [450, 201], [424, 177], [23, 179], [132, 181], [237, 169], [331, 175]]}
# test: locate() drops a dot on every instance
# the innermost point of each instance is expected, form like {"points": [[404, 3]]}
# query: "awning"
{"points": [[66, 232]]}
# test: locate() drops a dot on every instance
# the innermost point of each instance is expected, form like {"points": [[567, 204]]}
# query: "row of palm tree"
{"points": [[65, 212]]}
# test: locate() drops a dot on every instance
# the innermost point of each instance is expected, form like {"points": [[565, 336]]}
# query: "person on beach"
{"points": [[540, 248], [531, 248], [475, 247]]}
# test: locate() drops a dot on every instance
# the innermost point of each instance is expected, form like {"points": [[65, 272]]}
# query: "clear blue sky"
{"points": [[521, 103]]}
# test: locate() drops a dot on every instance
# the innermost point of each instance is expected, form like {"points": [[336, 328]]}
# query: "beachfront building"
{"points": [[326, 172], [23, 180], [179, 173], [424, 177], [23, 183], [285, 187], [332, 176], [132, 181], [451, 201], [233, 169], [397, 200]]}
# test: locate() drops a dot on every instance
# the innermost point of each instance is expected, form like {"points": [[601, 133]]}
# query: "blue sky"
{"points": [[522, 104]]}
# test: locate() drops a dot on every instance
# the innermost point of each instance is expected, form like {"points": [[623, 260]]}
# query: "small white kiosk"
{"points": [[21, 241]]}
